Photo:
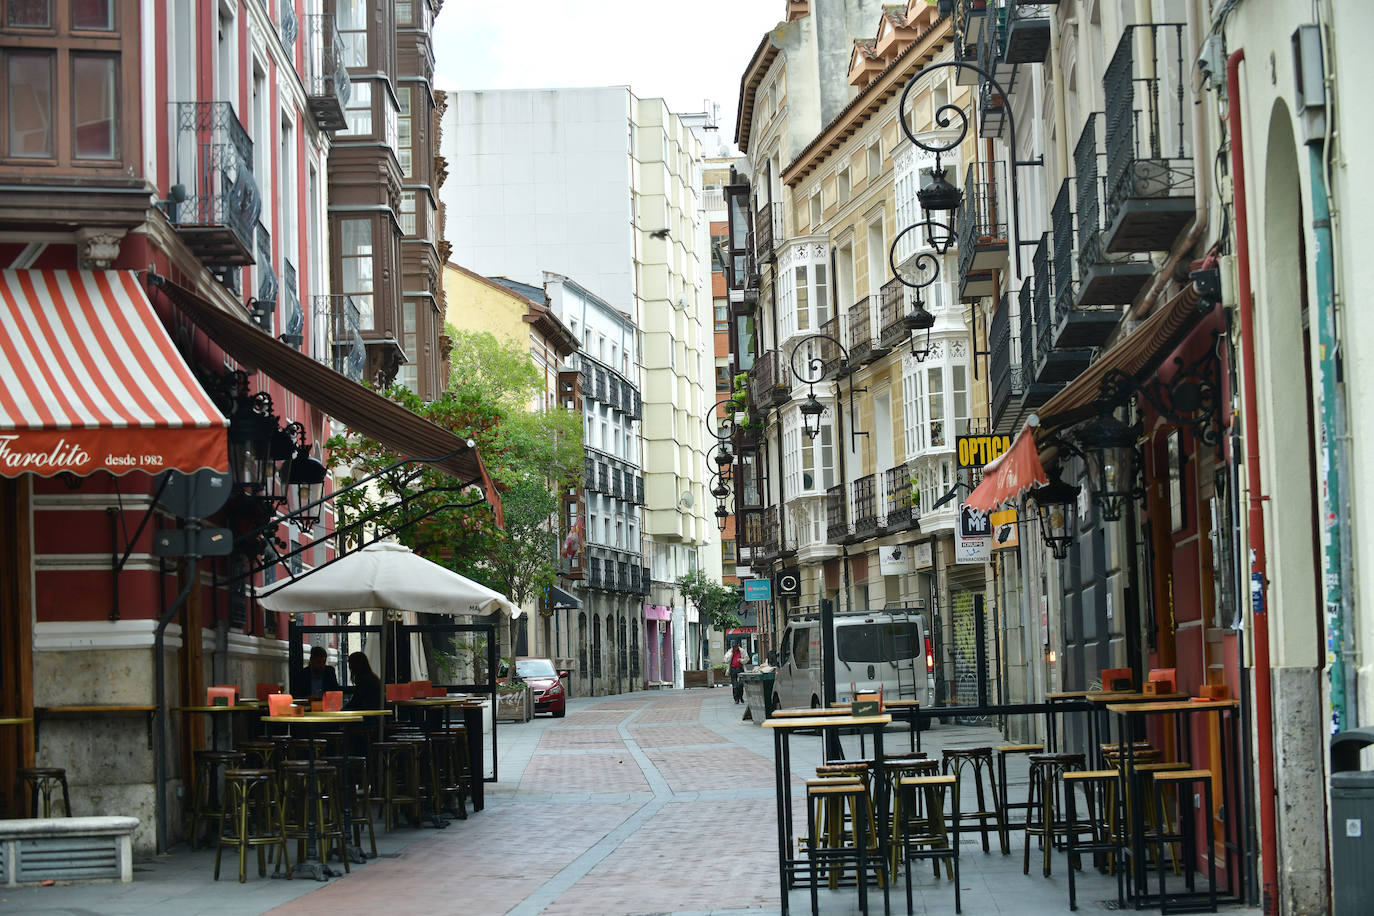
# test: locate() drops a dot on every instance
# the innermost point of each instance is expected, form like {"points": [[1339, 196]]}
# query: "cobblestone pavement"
{"points": [[648, 803]]}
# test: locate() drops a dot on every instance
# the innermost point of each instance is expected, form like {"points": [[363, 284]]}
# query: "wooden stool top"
{"points": [[1182, 775], [1020, 748], [37, 772], [217, 756], [1080, 775], [851, 788], [1161, 767], [246, 775], [966, 751], [929, 780], [1056, 758]]}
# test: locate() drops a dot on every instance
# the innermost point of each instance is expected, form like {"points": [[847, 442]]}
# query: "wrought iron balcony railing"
{"points": [[829, 350], [1149, 142], [865, 506], [767, 231], [771, 533], [897, 514], [769, 381], [982, 228], [293, 318], [645, 580], [594, 580], [338, 336], [836, 515], [267, 277], [327, 87], [863, 337], [588, 473], [1027, 38], [749, 529], [214, 200], [1004, 363], [1053, 364], [890, 314], [1101, 285]]}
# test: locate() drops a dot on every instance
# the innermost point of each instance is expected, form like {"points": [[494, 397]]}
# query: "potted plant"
{"points": [[514, 703]]}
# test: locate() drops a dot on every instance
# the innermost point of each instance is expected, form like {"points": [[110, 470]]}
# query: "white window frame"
{"points": [[808, 262]]}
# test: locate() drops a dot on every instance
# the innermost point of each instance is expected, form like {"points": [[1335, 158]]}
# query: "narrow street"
{"points": [[655, 802]]}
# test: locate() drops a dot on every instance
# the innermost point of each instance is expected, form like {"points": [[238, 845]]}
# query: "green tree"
{"points": [[531, 450], [719, 604]]}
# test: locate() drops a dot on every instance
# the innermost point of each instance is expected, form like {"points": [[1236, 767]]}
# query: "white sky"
{"points": [[683, 52]]}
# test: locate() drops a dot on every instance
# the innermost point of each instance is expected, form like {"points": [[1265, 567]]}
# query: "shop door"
{"points": [[16, 635]]}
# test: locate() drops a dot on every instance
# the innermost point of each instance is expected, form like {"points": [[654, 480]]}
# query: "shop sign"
{"points": [[976, 451], [894, 560], [789, 582], [972, 536], [923, 556], [758, 589], [1005, 534]]}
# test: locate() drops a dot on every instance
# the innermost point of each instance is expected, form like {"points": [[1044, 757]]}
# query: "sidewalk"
{"points": [[655, 802]]}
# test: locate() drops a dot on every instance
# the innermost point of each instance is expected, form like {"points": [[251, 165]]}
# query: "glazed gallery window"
{"points": [[357, 262], [409, 375], [351, 17], [804, 297], [60, 81], [808, 463], [935, 405], [404, 149], [359, 111]]}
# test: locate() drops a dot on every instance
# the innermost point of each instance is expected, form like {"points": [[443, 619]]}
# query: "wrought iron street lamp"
{"points": [[1055, 504], [252, 432], [1108, 448]]}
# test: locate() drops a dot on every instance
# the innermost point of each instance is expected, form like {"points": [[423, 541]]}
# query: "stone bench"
{"points": [[66, 849]]}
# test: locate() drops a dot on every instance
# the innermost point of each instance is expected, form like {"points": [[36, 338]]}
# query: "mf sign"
{"points": [[972, 535]]}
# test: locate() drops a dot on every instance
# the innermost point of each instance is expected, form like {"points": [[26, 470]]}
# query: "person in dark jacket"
{"points": [[736, 661], [314, 679], [367, 687]]}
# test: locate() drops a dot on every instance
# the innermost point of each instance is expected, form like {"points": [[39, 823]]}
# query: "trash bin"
{"points": [[1352, 825], [758, 694]]}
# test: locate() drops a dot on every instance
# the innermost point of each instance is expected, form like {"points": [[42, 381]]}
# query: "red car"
{"points": [[545, 685]]}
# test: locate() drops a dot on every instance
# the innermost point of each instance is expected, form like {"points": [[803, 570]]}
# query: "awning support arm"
{"points": [[117, 561]]}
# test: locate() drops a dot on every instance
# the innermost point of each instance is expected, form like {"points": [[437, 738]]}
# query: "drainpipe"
{"points": [[1333, 458], [1259, 560]]}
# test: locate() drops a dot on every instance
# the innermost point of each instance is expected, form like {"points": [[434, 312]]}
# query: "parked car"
{"points": [[546, 685]]}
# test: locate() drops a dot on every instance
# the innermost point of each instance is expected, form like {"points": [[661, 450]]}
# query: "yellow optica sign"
{"points": [[976, 451]]}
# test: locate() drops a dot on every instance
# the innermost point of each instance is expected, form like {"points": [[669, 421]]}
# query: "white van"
{"points": [[873, 649]]}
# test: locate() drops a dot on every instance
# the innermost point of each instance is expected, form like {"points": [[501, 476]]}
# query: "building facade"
{"points": [[605, 187]]}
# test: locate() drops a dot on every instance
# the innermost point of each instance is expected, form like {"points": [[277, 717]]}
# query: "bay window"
{"points": [[808, 462], [804, 289], [357, 266], [935, 400]]}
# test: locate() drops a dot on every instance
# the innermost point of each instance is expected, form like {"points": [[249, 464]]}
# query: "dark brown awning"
{"points": [[357, 407], [1137, 356]]}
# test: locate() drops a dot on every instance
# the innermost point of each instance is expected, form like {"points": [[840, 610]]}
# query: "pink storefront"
{"points": [[658, 645]]}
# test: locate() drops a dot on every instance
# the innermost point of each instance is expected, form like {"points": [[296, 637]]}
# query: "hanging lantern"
{"points": [[939, 194], [1109, 447], [811, 409], [1055, 503]]}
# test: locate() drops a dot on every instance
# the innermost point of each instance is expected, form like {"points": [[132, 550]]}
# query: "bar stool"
{"points": [[907, 815], [1004, 806], [41, 781], [1106, 785], [297, 805], [1178, 783], [978, 762], [931, 840], [1042, 815], [461, 766], [255, 820], [206, 802], [1154, 816], [258, 755], [355, 790], [837, 797], [395, 775], [427, 777]]}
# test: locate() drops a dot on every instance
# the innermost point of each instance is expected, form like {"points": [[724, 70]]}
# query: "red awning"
{"points": [[1009, 475], [90, 381]]}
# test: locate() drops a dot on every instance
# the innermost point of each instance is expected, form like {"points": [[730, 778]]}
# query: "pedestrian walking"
{"points": [[736, 663]]}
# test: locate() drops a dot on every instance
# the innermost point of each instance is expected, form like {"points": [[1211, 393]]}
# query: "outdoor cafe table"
{"points": [[1102, 700], [218, 715], [783, 728], [907, 711], [1228, 732], [317, 867], [472, 722]]}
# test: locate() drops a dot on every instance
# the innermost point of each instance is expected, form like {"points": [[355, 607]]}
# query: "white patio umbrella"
{"points": [[386, 576]]}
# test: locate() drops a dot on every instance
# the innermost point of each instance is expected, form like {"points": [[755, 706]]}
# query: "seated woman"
{"points": [[367, 687]]}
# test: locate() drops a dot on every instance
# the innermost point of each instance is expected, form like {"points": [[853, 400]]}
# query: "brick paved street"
{"points": [[658, 802]]}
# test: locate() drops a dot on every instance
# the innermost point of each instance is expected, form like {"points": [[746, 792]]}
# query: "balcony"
{"points": [[831, 355], [1102, 281], [865, 344], [1150, 179], [622, 577], [891, 329], [267, 277], [1053, 365], [1028, 33], [865, 507], [594, 578], [293, 317], [616, 490], [588, 474], [836, 515], [1004, 364], [897, 514], [771, 534], [982, 227], [645, 580], [570, 390], [636, 576], [767, 231], [214, 201], [603, 478], [340, 341], [750, 531], [327, 88], [1080, 320], [639, 490], [769, 380], [970, 21]]}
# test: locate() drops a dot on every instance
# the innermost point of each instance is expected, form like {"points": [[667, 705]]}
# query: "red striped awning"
{"points": [[90, 381]]}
